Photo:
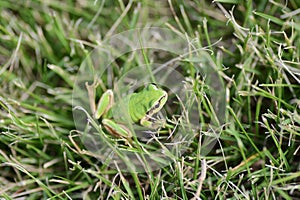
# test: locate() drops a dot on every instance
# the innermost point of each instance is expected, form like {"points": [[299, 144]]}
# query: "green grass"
{"points": [[254, 44]]}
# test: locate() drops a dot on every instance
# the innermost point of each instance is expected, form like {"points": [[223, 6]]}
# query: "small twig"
{"points": [[201, 179]]}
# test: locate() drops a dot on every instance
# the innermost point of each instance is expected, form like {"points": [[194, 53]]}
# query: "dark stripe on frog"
{"points": [[150, 112]]}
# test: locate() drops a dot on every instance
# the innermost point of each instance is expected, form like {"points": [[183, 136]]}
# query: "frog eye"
{"points": [[157, 105], [152, 109]]}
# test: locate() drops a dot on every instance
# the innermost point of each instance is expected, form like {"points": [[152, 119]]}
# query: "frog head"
{"points": [[144, 104]]}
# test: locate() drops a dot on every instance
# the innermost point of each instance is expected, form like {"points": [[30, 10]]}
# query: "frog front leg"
{"points": [[150, 122]]}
